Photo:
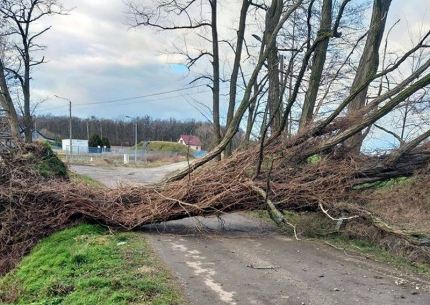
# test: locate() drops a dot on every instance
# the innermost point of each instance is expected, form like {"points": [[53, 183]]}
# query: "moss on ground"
{"points": [[87, 265]]}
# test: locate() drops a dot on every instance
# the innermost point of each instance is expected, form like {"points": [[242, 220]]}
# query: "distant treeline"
{"points": [[121, 132]]}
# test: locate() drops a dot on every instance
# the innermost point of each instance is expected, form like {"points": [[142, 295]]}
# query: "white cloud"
{"points": [[93, 55]]}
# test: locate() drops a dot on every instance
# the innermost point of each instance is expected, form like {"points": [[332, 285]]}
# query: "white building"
{"points": [[78, 146]]}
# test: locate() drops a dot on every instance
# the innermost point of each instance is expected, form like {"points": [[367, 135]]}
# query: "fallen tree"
{"points": [[287, 168], [33, 206]]}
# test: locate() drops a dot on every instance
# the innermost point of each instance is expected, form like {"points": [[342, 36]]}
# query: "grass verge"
{"points": [[88, 181], [86, 265], [375, 253]]}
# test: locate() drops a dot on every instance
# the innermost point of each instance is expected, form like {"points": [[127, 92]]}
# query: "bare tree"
{"points": [[158, 16], [335, 126], [7, 104], [21, 16], [368, 65], [236, 65], [320, 58]]}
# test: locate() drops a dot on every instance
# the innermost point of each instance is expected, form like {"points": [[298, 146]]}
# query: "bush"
{"points": [[49, 165], [95, 141], [105, 142]]}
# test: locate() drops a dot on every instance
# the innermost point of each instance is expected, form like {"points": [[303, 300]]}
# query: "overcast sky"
{"points": [[94, 57]]}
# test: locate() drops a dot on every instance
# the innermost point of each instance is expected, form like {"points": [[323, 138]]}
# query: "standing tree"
{"points": [[21, 17], [367, 67], [197, 17], [325, 134], [95, 141], [5, 99], [159, 15]]}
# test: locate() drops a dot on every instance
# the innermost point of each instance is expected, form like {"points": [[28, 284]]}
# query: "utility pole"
{"points": [[70, 123], [135, 137], [135, 142], [70, 128], [88, 130]]}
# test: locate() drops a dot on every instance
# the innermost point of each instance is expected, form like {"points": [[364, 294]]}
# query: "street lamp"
{"points": [[135, 137], [70, 121]]}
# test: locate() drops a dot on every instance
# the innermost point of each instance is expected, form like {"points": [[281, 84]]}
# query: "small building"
{"points": [[78, 146], [192, 141]]}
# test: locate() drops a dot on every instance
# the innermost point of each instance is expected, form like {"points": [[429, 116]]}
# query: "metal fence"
{"points": [[115, 154]]}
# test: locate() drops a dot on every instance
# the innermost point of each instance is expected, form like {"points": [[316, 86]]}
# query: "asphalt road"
{"points": [[246, 262], [241, 260], [115, 176]]}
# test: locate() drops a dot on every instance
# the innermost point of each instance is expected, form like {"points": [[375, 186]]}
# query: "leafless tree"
{"points": [[368, 66], [5, 99], [159, 16], [21, 17], [354, 107]]}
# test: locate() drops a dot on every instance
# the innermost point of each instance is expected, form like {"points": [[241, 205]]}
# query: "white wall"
{"points": [[78, 146]]}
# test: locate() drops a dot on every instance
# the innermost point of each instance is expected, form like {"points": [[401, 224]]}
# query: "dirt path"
{"points": [[114, 176], [245, 261]]}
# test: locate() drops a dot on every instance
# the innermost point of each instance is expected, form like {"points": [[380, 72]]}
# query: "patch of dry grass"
{"points": [[405, 204]]}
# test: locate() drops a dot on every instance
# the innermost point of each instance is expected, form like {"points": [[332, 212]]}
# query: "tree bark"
{"points": [[369, 119], [251, 116], [318, 64], [274, 101], [216, 74], [7, 104], [28, 120], [236, 66], [243, 106], [368, 66]]}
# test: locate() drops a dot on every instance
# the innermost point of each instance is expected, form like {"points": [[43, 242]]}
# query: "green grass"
{"points": [[162, 146], [376, 253], [78, 178], [85, 265]]}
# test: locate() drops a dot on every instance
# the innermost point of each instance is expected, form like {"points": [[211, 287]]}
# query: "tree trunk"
{"points": [[318, 64], [368, 66], [251, 116], [216, 74], [236, 66], [272, 19], [243, 106], [28, 121], [7, 104]]}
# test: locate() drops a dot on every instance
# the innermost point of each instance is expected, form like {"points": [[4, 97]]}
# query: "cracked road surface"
{"points": [[244, 261]]}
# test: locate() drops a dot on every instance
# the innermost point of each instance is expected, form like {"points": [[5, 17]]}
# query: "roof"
{"points": [[191, 140]]}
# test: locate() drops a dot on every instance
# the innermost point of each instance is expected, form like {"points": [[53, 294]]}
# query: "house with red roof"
{"points": [[192, 141]]}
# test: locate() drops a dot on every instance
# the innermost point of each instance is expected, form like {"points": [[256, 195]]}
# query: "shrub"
{"points": [[95, 141], [49, 165], [105, 142]]}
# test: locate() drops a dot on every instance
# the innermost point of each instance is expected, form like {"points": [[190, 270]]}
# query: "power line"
{"points": [[142, 96], [130, 98]]}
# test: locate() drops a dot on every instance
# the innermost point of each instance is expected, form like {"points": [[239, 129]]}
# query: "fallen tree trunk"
{"points": [[381, 170], [32, 207]]}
